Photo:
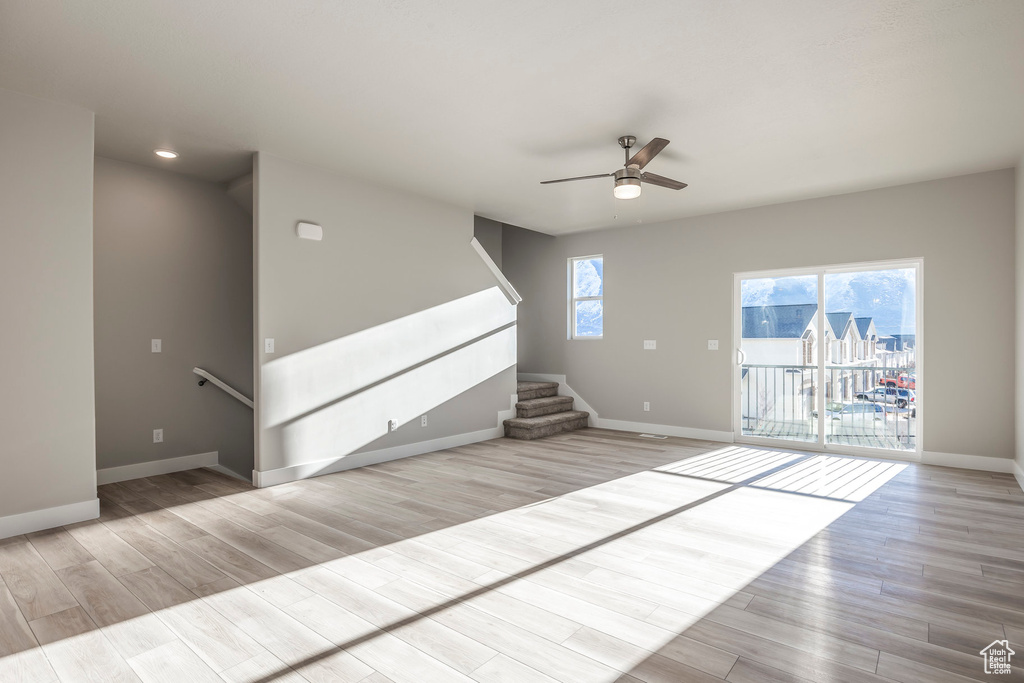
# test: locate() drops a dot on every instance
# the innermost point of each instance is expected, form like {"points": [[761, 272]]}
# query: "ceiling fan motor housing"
{"points": [[627, 183]]}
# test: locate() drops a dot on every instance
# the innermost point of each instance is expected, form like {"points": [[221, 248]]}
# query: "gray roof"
{"points": [[838, 322], [862, 326], [777, 322]]}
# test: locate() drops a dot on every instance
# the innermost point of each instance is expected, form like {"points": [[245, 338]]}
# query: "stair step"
{"points": [[536, 407], [528, 428], [528, 390]]}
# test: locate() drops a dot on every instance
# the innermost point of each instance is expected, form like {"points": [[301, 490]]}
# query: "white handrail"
{"points": [[207, 377], [510, 292]]}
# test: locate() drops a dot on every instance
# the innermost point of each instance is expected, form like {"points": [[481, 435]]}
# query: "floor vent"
{"points": [[652, 436]]}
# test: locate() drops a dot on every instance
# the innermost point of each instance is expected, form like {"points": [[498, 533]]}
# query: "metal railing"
{"points": [[781, 402], [222, 385]]}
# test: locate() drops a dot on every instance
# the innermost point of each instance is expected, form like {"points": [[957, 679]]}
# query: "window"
{"points": [[586, 297]]}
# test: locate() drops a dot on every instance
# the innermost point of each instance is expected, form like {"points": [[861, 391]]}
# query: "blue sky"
{"points": [[589, 282], [887, 296]]}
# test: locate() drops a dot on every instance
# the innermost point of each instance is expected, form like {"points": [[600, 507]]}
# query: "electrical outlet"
{"points": [[650, 344], [268, 345], [158, 436], [156, 345], [647, 406], [392, 425], [423, 421], [712, 344]]}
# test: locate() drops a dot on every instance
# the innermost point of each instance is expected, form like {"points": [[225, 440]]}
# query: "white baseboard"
{"points": [[152, 468], [665, 430], [283, 475], [37, 520], [229, 472], [507, 414], [968, 462], [1018, 474]]}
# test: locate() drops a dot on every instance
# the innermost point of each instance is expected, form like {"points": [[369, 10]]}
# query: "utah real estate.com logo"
{"points": [[997, 657]]}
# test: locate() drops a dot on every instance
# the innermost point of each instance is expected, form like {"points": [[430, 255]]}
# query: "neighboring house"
{"points": [[896, 352], [787, 335], [869, 338], [780, 335]]}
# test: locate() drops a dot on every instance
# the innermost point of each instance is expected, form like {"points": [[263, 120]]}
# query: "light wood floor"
{"points": [[590, 556]]}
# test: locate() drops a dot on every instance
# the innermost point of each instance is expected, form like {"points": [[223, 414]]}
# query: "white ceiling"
{"points": [[475, 102]]}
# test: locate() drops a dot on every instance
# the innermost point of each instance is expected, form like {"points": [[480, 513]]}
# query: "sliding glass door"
{"points": [[779, 362], [830, 356]]}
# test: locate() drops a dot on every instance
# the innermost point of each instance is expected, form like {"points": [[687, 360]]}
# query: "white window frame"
{"points": [[572, 300], [823, 359]]}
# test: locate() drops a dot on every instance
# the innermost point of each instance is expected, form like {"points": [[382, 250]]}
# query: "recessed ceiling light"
{"points": [[166, 153]]}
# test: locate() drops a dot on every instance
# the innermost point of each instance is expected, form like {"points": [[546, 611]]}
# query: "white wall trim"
{"points": [[1018, 474], [969, 462], [48, 518], [578, 402], [665, 430], [283, 475], [110, 475], [229, 472], [507, 414], [506, 287]]}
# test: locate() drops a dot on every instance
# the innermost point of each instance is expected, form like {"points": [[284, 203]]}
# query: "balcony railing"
{"points": [[781, 402]]}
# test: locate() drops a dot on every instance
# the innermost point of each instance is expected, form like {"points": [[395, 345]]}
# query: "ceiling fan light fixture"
{"points": [[627, 183], [627, 188]]}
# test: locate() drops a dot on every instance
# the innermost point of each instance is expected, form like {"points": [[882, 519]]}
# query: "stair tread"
{"points": [[543, 401], [549, 419], [533, 386]]}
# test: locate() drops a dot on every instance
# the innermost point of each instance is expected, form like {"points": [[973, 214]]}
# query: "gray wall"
{"points": [[673, 282], [385, 255], [46, 407], [488, 233], [173, 261]]}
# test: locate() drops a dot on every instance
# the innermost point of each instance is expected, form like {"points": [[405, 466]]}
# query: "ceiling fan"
{"points": [[629, 178]]}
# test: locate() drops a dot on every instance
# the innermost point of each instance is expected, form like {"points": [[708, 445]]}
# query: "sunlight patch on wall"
{"points": [[312, 378], [342, 427]]}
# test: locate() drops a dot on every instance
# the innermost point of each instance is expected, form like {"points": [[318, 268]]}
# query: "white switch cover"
{"points": [[423, 421], [647, 406], [156, 345], [268, 345], [712, 344], [650, 344], [158, 436]]}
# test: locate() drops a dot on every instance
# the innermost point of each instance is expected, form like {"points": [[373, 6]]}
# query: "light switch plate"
{"points": [[268, 345], [712, 344], [158, 436], [647, 406], [423, 421], [156, 345], [650, 344]]}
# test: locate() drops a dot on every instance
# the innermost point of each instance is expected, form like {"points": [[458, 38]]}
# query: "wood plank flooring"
{"points": [[589, 556]]}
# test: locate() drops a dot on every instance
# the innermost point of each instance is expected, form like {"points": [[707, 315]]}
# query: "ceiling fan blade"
{"points": [[661, 181], [582, 177], [650, 150]]}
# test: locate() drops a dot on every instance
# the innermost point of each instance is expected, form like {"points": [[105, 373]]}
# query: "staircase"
{"points": [[542, 412]]}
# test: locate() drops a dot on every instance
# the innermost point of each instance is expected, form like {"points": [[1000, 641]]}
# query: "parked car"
{"points": [[901, 382], [902, 398]]}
